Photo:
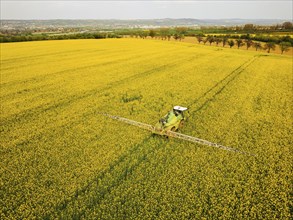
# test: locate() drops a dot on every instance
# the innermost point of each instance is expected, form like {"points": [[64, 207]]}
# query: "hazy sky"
{"points": [[47, 9]]}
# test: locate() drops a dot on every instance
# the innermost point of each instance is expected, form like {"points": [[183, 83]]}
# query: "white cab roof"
{"points": [[179, 108]]}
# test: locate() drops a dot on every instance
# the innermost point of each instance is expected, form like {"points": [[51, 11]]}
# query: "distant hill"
{"points": [[135, 23]]}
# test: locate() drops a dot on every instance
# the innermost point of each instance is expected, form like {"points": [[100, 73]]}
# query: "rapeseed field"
{"points": [[61, 159]]}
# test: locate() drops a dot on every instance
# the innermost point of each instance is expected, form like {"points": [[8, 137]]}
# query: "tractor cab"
{"points": [[171, 121]]}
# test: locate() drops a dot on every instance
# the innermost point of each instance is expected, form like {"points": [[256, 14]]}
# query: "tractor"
{"points": [[169, 124], [171, 121]]}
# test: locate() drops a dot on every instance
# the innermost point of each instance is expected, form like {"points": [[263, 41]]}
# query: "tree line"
{"points": [[270, 42], [240, 42], [180, 33], [251, 28], [20, 38]]}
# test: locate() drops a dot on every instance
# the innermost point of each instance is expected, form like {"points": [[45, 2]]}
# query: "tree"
{"points": [[248, 27], [287, 38], [270, 46], [169, 36], [257, 45], [248, 43], [199, 38], [143, 34], [181, 30], [176, 36], [217, 40], [205, 41], [210, 39], [287, 25], [152, 33], [224, 40], [239, 43], [284, 46], [245, 36], [231, 43], [181, 36], [163, 33]]}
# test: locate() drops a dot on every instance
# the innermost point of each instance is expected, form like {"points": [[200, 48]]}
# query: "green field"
{"points": [[61, 159]]}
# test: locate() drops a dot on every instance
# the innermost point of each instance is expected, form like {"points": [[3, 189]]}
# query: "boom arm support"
{"points": [[176, 134]]}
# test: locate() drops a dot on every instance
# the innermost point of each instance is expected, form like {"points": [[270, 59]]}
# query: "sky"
{"points": [[95, 9]]}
